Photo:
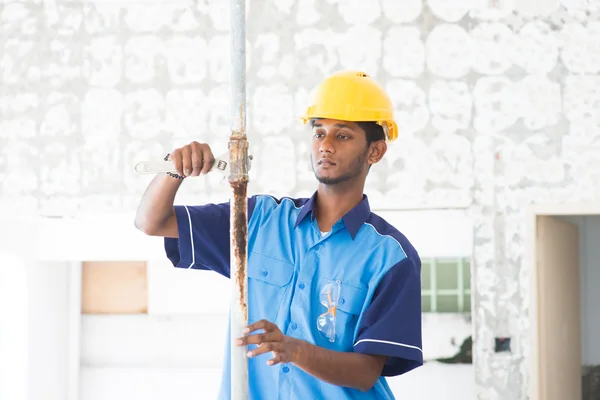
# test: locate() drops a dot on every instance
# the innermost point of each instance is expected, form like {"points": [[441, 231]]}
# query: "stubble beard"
{"points": [[354, 171]]}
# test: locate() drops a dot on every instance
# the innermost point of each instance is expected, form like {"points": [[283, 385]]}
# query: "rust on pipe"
{"points": [[238, 180], [240, 234]]}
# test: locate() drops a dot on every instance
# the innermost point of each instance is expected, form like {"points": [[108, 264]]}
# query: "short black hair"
{"points": [[374, 132]]}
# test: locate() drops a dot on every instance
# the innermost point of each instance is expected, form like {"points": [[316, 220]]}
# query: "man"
{"points": [[333, 290]]}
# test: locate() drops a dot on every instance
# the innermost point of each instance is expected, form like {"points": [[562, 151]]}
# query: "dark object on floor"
{"points": [[590, 382], [464, 355]]}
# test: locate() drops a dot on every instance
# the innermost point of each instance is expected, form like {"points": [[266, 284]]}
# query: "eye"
{"points": [[318, 133], [343, 136]]}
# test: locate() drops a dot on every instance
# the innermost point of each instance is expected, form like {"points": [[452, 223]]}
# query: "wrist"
{"points": [[171, 174], [300, 348]]}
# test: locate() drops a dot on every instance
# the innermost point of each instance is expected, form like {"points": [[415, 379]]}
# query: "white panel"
{"points": [[149, 384], [435, 233], [73, 355], [181, 291], [14, 328], [47, 284], [153, 341], [89, 237], [436, 381], [453, 382]]}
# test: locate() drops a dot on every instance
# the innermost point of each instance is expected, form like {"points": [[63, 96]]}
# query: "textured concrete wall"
{"points": [[497, 103]]}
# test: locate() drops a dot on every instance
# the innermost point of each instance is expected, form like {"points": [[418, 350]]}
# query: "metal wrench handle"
{"points": [[155, 167]]}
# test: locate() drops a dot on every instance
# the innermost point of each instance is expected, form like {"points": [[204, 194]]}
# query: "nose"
{"points": [[327, 145]]}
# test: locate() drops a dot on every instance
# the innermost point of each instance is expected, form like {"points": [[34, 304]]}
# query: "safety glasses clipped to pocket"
{"points": [[329, 297]]}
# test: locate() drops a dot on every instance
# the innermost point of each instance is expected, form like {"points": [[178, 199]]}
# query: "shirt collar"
{"points": [[353, 219]]}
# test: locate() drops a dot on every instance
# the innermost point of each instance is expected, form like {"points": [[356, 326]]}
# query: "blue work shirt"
{"points": [[290, 262]]}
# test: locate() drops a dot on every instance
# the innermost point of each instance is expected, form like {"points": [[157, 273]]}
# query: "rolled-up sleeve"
{"points": [[391, 324]]}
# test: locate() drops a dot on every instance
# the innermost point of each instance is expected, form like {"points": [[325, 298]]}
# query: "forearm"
{"points": [[355, 370], [155, 210]]}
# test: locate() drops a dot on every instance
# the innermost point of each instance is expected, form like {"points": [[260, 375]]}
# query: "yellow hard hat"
{"points": [[353, 96]]}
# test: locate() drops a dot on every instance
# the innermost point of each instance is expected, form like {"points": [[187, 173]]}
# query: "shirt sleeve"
{"points": [[204, 239], [391, 324]]}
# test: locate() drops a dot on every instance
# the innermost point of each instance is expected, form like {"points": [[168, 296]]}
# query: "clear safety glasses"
{"points": [[329, 297]]}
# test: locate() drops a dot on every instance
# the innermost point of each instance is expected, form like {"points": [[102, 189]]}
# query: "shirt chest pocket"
{"points": [[350, 303], [352, 299], [268, 281]]}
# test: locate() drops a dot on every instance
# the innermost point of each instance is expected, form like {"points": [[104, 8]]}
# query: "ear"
{"points": [[376, 151]]}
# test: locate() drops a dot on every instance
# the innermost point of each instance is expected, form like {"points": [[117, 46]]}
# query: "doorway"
{"points": [[565, 251]]}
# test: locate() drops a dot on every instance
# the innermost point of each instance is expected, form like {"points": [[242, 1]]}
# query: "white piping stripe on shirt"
{"points": [[191, 238], [387, 342], [377, 232]]}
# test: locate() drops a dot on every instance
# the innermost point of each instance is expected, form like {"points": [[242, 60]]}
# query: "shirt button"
{"points": [[285, 370], [294, 326], [265, 273], [301, 286], [342, 301]]}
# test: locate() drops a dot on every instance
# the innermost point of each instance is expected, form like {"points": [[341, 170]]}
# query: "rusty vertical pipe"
{"points": [[238, 180]]}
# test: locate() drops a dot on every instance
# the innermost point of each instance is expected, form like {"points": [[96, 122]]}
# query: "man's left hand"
{"points": [[284, 348]]}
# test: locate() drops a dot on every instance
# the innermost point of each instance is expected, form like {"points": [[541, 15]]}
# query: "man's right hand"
{"points": [[193, 159]]}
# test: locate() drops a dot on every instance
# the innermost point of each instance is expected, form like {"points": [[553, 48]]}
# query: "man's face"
{"points": [[339, 151]]}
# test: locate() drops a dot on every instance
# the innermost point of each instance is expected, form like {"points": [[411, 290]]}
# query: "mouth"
{"points": [[325, 162]]}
